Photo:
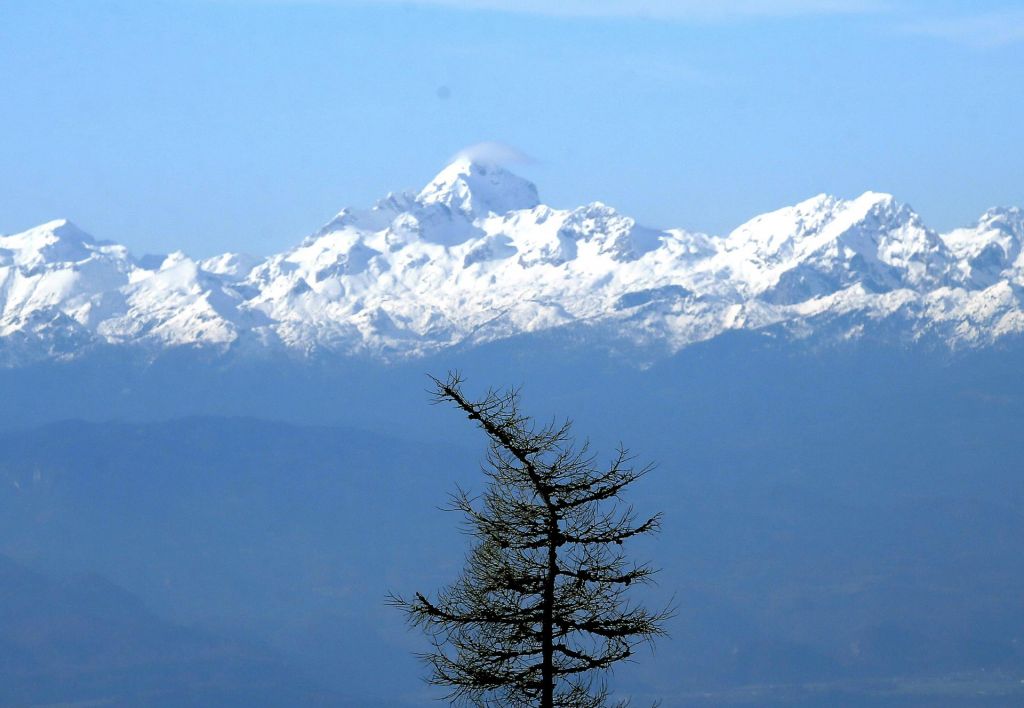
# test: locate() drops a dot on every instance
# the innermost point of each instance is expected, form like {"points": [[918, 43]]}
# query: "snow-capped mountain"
{"points": [[475, 256]]}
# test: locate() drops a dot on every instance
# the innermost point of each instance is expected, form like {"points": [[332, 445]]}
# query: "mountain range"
{"points": [[476, 257]]}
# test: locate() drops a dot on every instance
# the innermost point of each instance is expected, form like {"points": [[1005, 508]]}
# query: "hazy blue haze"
{"points": [[243, 125], [841, 527]]}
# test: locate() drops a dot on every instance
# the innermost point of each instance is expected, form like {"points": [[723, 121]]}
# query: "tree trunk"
{"points": [[547, 699]]}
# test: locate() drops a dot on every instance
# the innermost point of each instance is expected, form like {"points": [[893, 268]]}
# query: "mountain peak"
{"points": [[62, 229], [872, 197], [478, 188], [1009, 219], [57, 240]]}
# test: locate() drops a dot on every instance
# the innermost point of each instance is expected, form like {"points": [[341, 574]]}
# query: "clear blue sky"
{"points": [[242, 125]]}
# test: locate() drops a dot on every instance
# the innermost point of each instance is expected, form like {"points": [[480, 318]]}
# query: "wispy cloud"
{"points": [[494, 152], [680, 10], [983, 31]]}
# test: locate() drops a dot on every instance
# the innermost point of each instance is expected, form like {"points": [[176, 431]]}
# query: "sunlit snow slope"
{"points": [[475, 256]]}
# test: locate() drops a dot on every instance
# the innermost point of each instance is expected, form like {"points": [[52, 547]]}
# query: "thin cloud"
{"points": [[676, 10], [665, 9], [494, 153], [982, 31]]}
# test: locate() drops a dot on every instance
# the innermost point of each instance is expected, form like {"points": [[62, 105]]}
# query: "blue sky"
{"points": [[213, 125]]}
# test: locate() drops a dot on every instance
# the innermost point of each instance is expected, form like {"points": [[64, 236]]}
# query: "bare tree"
{"points": [[540, 612]]}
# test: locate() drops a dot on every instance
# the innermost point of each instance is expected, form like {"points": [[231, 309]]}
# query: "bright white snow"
{"points": [[474, 257]]}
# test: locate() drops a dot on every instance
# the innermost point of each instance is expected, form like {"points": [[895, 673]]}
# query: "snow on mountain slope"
{"points": [[56, 267], [477, 190], [990, 250], [825, 244], [475, 256]]}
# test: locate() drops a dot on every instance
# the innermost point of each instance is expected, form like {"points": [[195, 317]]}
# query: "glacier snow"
{"points": [[476, 257]]}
